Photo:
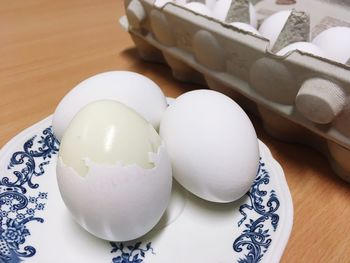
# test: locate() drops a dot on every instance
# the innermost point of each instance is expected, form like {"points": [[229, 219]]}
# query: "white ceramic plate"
{"points": [[36, 226]]}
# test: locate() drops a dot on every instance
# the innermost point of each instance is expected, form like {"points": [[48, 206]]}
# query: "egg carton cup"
{"points": [[299, 97]]}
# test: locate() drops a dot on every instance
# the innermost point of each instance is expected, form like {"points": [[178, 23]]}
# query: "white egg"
{"points": [[161, 3], [210, 3], [212, 145], [198, 8], [113, 172], [134, 90], [222, 7], [305, 47], [335, 41], [246, 27], [181, 2], [273, 25]]}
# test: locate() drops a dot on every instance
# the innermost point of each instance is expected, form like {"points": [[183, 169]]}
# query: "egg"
{"points": [[212, 145], [113, 172], [273, 25], [222, 7], [305, 47], [136, 91], [335, 41], [210, 3], [198, 8], [181, 2], [161, 3], [246, 27]]}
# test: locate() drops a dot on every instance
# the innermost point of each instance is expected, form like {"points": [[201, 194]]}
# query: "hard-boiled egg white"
{"points": [[132, 89], [246, 27], [199, 8], [305, 47], [222, 7], [113, 171], [273, 25], [212, 145], [335, 42]]}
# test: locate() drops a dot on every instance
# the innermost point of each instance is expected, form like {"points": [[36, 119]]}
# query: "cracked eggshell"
{"points": [[110, 199], [117, 203], [212, 145], [132, 89]]}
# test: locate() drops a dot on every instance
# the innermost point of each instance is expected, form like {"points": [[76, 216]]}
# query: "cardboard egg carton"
{"points": [[299, 97]]}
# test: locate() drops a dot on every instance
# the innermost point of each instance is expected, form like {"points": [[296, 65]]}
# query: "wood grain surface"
{"points": [[47, 47]]}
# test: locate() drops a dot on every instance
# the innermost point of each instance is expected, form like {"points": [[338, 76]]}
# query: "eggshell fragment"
{"points": [[117, 203]]}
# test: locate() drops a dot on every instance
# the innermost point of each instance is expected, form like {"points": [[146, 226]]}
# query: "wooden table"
{"points": [[47, 47]]}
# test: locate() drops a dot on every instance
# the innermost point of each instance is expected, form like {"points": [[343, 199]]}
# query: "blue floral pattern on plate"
{"points": [[255, 237], [18, 209], [130, 253]]}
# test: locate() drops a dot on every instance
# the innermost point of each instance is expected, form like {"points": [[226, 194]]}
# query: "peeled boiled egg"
{"points": [[113, 171], [335, 41], [273, 25], [246, 27], [221, 9], [305, 47], [199, 8], [212, 145], [132, 89]]}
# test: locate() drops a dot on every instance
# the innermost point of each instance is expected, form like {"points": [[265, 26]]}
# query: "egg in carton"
{"points": [[301, 95]]}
